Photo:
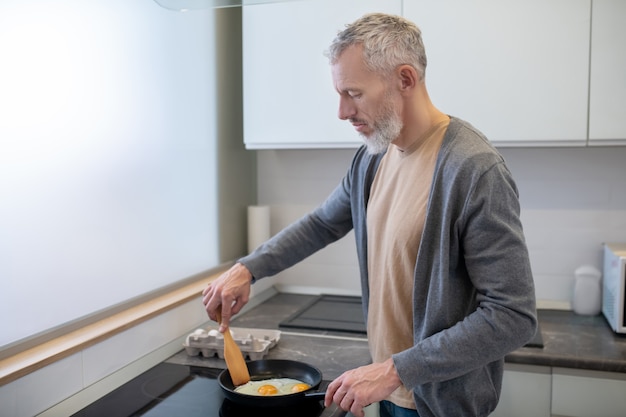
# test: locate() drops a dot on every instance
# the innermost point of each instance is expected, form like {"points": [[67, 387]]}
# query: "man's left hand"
{"points": [[360, 387]]}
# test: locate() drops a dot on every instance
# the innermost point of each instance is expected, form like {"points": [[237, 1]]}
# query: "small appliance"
{"points": [[614, 286]]}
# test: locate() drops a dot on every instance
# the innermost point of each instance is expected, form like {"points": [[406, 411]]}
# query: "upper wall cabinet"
{"points": [[289, 99], [607, 99], [525, 72], [517, 70]]}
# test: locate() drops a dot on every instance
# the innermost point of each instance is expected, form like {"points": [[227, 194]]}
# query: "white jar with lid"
{"points": [[587, 297]]}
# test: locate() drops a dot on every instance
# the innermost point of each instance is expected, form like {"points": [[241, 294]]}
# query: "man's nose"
{"points": [[346, 109]]}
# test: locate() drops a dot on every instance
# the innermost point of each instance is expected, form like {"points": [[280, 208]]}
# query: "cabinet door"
{"points": [[579, 393], [607, 98], [525, 392], [517, 70], [289, 99]]}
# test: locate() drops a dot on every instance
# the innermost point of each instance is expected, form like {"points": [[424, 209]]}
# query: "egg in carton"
{"points": [[254, 343]]}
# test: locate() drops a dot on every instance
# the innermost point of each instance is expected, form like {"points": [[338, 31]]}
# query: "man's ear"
{"points": [[408, 77]]}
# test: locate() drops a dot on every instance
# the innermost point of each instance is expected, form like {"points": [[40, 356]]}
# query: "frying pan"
{"points": [[275, 368]]}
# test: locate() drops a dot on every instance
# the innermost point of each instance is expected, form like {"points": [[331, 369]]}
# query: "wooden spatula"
{"points": [[235, 362]]}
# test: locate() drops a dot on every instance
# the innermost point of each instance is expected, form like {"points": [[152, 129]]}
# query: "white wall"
{"points": [[108, 156], [573, 199], [91, 373]]}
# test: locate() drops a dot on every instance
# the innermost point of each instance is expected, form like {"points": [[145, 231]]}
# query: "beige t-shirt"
{"points": [[395, 221]]}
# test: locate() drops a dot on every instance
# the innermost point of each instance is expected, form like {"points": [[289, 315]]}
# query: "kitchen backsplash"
{"points": [[572, 199]]}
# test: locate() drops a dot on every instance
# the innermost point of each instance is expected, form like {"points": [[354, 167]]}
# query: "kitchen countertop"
{"points": [[570, 341], [331, 352], [575, 341]]}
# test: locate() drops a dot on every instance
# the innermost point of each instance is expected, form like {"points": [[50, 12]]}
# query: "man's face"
{"points": [[366, 101]]}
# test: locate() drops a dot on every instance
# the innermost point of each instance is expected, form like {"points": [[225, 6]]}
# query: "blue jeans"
{"points": [[389, 409]]}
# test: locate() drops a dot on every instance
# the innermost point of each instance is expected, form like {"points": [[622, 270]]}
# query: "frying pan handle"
{"points": [[315, 395]]}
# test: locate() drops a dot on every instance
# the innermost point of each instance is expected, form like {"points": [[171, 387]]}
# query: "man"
{"points": [[446, 280]]}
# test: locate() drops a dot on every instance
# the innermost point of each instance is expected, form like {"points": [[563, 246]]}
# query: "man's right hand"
{"points": [[229, 292]]}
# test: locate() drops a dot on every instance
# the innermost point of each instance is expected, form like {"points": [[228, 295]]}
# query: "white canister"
{"points": [[587, 298]]}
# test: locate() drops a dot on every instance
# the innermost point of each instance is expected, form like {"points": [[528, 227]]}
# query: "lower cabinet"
{"points": [[577, 393], [526, 391], [542, 391]]}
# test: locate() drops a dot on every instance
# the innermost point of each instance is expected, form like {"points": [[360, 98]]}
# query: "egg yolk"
{"points": [[267, 390], [300, 387]]}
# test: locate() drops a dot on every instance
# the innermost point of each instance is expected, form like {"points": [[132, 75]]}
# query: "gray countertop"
{"points": [[574, 341], [570, 341], [331, 352]]}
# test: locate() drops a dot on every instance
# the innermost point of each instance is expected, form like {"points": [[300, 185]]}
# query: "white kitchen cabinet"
{"points": [[289, 99], [607, 98], [578, 393], [517, 70], [526, 391]]}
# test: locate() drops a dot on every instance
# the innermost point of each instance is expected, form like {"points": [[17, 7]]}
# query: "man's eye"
{"points": [[354, 95]]}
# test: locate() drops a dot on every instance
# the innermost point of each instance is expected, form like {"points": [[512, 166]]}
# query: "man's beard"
{"points": [[385, 130]]}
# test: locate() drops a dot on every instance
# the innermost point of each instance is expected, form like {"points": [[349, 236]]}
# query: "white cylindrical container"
{"points": [[258, 226], [587, 297]]}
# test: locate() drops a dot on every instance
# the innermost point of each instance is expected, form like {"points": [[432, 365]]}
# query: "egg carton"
{"points": [[254, 343]]}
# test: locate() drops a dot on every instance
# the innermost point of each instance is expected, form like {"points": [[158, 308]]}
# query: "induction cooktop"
{"points": [[329, 312], [179, 390]]}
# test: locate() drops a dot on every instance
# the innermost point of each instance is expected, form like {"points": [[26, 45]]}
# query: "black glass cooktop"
{"points": [[329, 312], [179, 390]]}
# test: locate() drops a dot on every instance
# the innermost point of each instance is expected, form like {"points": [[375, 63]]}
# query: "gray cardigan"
{"points": [[473, 296]]}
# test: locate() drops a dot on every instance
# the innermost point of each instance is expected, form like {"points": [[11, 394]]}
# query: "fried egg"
{"points": [[273, 386]]}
